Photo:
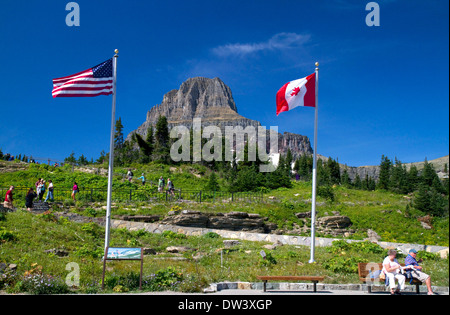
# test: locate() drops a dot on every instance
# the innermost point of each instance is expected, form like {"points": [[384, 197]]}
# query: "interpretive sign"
{"points": [[123, 253]]}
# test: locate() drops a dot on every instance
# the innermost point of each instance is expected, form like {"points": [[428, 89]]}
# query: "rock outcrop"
{"points": [[232, 221]]}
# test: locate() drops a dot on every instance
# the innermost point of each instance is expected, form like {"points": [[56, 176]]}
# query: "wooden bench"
{"points": [[364, 270], [313, 279]]}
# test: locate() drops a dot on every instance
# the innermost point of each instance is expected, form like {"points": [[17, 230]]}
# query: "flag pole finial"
{"points": [[116, 51], [317, 64]]}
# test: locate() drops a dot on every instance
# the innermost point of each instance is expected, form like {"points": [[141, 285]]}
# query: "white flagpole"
{"points": [[314, 175], [111, 152]]}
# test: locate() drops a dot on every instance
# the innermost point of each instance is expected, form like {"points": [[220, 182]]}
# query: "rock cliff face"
{"points": [[212, 101], [374, 170]]}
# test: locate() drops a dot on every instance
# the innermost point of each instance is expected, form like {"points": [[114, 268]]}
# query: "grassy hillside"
{"points": [[384, 212], [29, 240]]}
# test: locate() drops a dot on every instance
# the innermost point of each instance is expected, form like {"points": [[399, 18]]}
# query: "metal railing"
{"points": [[139, 195]]}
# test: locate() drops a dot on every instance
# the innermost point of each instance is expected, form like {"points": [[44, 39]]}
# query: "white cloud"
{"points": [[280, 42]]}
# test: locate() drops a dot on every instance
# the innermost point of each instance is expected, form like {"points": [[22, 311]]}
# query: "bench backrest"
{"points": [[365, 268]]}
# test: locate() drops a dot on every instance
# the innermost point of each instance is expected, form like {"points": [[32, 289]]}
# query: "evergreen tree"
{"points": [[334, 171], [82, 160], [118, 143], [399, 178], [289, 159], [144, 149], [345, 178], [385, 173], [118, 135], [357, 182], [428, 174], [422, 200], [213, 184], [304, 169], [323, 174], [71, 159], [372, 184], [102, 159], [280, 177], [162, 149], [413, 178], [150, 140]]}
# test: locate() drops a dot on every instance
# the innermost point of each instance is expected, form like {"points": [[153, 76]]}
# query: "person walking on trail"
{"points": [[75, 190], [29, 199], [50, 192], [130, 175], [143, 179], [9, 199], [170, 187], [161, 184], [416, 270]]}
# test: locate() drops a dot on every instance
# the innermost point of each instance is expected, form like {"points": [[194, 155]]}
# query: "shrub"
{"points": [[341, 264], [7, 278], [48, 216], [42, 284], [164, 279], [211, 235], [173, 235], [268, 260], [365, 247], [91, 228], [424, 255], [90, 212], [326, 192], [6, 236], [89, 251]]}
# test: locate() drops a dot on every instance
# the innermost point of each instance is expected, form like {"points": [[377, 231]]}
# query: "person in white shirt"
{"points": [[50, 192], [392, 270]]}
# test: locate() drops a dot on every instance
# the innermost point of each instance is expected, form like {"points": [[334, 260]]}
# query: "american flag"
{"points": [[95, 81]]}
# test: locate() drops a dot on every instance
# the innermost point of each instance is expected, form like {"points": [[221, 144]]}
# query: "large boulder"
{"points": [[337, 222], [187, 219]]}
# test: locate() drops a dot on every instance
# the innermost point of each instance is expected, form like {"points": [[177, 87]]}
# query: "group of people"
{"points": [[393, 271], [161, 182], [41, 188], [8, 157], [170, 187], [38, 192]]}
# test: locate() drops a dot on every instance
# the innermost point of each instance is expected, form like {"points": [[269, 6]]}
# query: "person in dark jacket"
{"points": [[29, 199]]}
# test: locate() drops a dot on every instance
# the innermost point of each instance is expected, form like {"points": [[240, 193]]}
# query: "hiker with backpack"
{"points": [[161, 184], [130, 175], [170, 187]]}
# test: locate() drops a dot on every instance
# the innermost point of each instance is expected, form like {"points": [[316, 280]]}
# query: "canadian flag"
{"points": [[301, 92]]}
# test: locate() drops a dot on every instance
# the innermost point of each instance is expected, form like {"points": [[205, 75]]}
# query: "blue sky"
{"points": [[383, 90]]}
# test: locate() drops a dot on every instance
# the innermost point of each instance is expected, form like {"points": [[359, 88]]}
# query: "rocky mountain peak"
{"points": [[212, 101]]}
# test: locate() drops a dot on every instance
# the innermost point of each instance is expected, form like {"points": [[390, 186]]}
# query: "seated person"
{"points": [[416, 270], [392, 270]]}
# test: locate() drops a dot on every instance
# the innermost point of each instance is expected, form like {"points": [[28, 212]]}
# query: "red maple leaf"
{"points": [[295, 91]]}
